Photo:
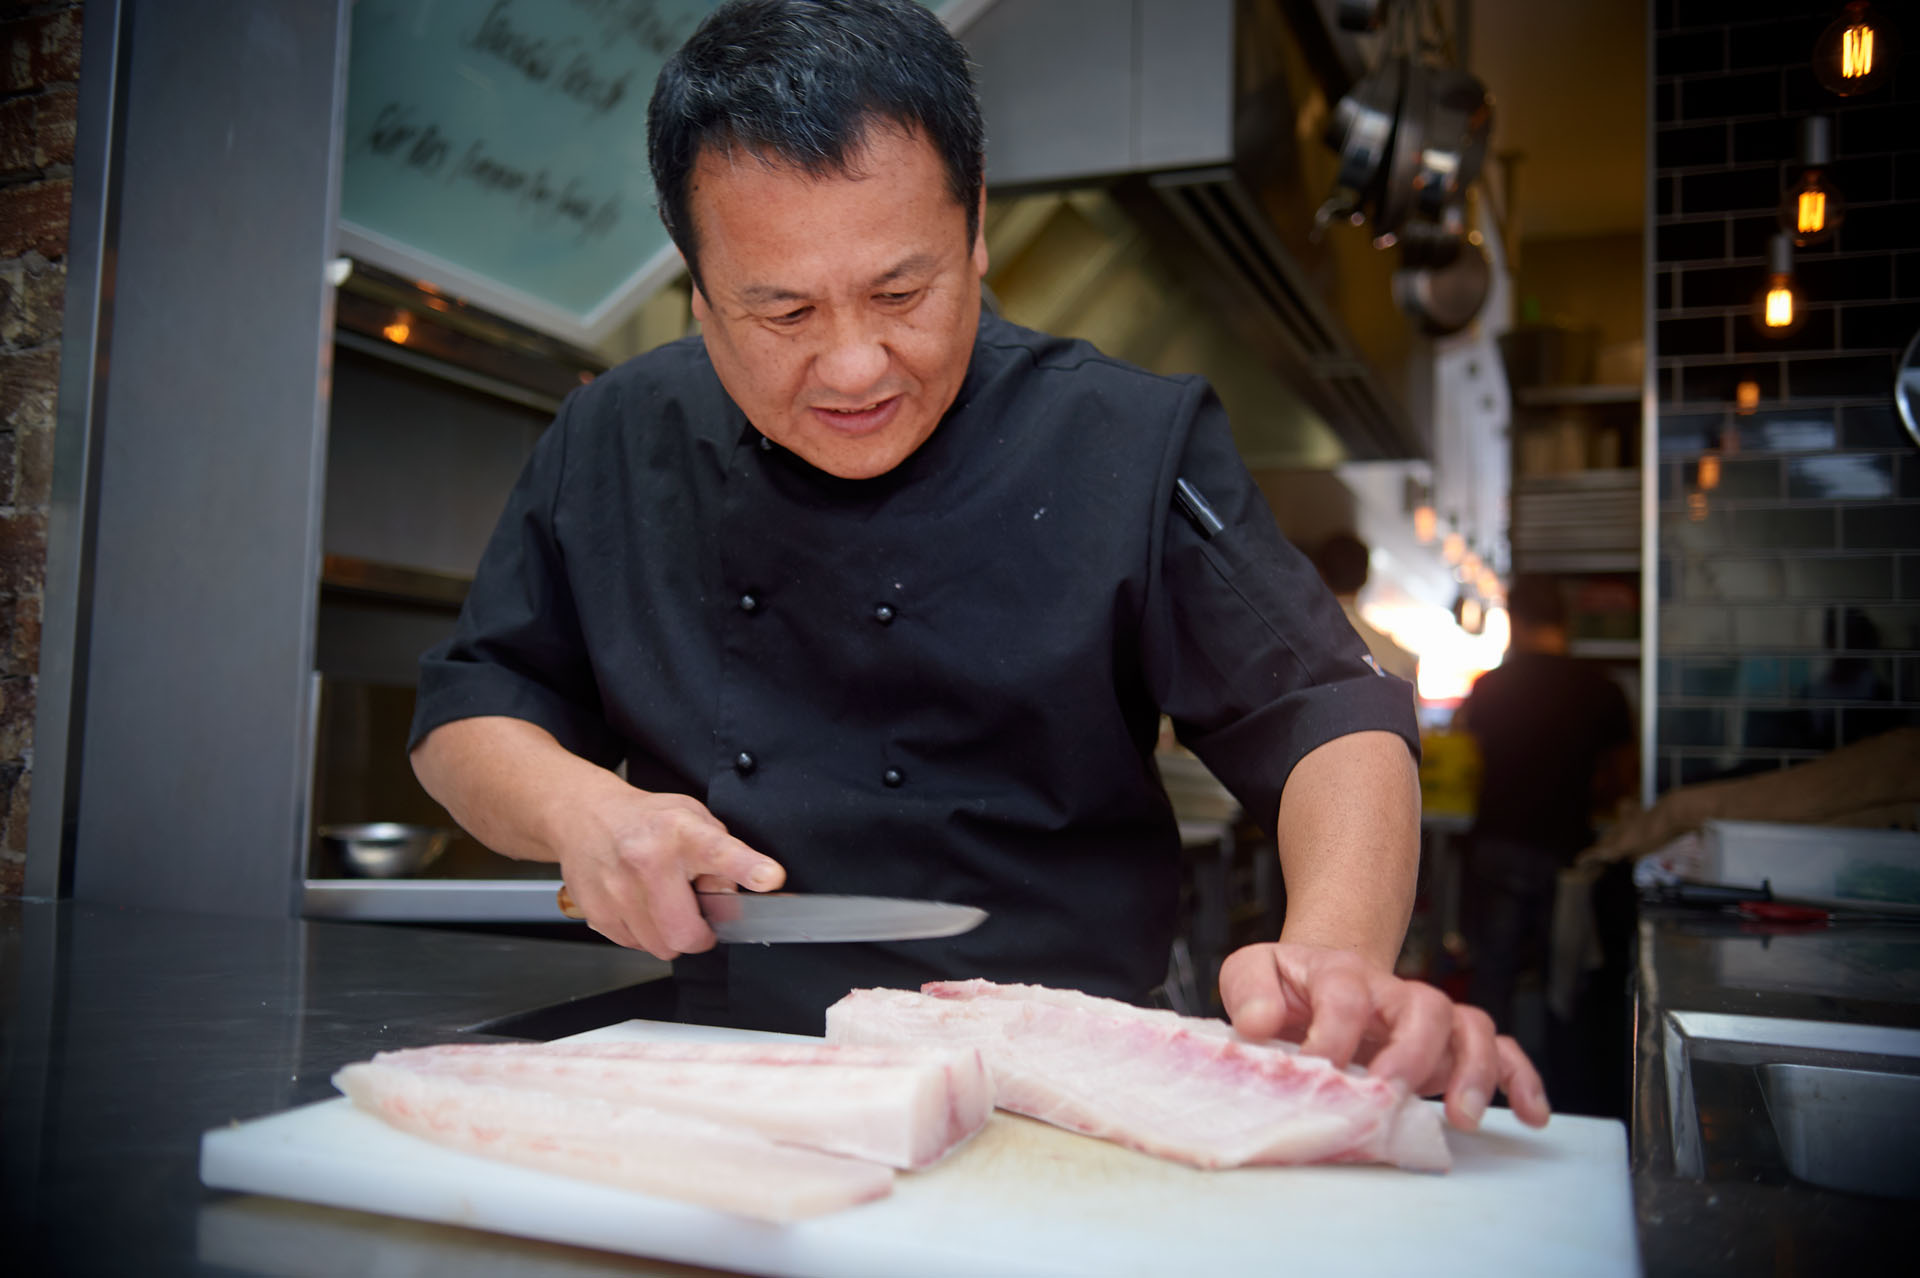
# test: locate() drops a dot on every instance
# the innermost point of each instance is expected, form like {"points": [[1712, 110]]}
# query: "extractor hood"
{"points": [[1201, 120]]}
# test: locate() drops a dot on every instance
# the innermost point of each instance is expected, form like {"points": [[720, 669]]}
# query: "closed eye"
{"points": [[790, 318]]}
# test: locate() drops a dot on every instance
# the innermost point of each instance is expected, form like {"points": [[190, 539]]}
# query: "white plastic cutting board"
{"points": [[1019, 1198]]}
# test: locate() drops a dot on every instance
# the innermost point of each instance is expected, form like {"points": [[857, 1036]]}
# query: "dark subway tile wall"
{"points": [[1832, 377], [1815, 332], [1873, 426], [1789, 562], [1730, 190]]}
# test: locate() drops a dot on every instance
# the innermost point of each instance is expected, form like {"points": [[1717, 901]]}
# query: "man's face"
{"points": [[838, 310]]}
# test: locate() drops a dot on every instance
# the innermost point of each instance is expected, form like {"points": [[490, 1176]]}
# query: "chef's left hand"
{"points": [[1336, 1004]]}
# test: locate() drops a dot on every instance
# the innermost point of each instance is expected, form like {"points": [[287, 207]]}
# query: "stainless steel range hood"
{"points": [[1200, 120]]}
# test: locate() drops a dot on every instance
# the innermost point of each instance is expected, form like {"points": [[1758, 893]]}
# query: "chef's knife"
{"points": [[805, 916]]}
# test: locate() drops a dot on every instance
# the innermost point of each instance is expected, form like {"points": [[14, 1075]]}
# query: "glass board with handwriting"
{"points": [[497, 149]]}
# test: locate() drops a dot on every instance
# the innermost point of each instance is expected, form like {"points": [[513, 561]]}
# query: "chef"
{"points": [[871, 592]]}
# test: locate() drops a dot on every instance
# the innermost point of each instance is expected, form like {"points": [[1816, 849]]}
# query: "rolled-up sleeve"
{"points": [[517, 650], [1246, 650]]}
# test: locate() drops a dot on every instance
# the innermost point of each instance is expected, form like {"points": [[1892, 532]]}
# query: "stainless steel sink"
{"points": [[1767, 1099], [1851, 1129]]}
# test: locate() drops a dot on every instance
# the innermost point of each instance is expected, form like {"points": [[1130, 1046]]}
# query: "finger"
{"points": [[1521, 1082], [664, 907], [721, 855], [1419, 1021], [601, 916], [1340, 1006], [1476, 1067], [626, 920], [1252, 994]]}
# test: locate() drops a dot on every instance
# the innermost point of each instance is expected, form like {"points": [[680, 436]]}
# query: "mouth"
{"points": [[861, 420]]}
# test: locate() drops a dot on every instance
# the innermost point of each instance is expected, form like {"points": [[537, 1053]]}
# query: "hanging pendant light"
{"points": [[1856, 53], [1779, 306], [1813, 207]]}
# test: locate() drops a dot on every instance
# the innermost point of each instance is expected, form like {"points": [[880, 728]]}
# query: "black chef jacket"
{"points": [[942, 682]]}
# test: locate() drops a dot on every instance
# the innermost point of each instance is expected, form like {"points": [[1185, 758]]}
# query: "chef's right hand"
{"points": [[635, 859]]}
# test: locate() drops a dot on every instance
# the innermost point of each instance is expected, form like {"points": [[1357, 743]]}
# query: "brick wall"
{"points": [[39, 71], [1790, 589]]}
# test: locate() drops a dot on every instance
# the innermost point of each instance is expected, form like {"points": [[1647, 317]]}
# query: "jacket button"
{"points": [[893, 777], [749, 602], [883, 613], [766, 445], [743, 763]]}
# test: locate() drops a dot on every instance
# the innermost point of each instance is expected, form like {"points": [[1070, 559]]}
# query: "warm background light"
{"points": [[1454, 548], [1746, 396], [1426, 524], [399, 328], [1779, 307], [1856, 52], [1813, 212], [1813, 206], [1450, 658]]}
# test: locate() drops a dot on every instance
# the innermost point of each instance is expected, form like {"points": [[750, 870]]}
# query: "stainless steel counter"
{"points": [[433, 900], [127, 1033], [1713, 1192]]}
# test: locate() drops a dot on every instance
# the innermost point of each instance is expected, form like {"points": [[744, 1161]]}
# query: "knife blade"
{"points": [[792, 917]]}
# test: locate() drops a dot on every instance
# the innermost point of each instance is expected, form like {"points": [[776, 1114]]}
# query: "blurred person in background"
{"points": [[1556, 744], [1343, 561]]}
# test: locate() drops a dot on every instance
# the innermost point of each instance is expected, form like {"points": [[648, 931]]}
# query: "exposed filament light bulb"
{"points": [[1780, 304], [1780, 311], [1812, 212], [1813, 208], [1856, 53]]}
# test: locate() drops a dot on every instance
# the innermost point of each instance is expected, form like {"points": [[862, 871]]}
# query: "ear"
{"points": [[980, 236], [700, 308]]}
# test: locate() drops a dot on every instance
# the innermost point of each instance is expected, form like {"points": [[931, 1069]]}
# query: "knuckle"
{"points": [[1345, 997], [1474, 1020]]}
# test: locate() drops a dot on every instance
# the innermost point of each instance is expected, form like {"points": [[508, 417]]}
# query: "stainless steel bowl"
{"points": [[386, 849]]}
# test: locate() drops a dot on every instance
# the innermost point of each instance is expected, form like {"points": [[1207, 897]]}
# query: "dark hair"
{"points": [[1342, 562], [802, 81], [1534, 600]]}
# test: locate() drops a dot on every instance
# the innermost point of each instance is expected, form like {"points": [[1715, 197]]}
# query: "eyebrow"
{"points": [[771, 294]]}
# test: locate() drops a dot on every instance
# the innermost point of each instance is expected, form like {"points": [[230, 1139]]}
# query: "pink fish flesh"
{"points": [[903, 1106], [632, 1147], [1175, 1086]]}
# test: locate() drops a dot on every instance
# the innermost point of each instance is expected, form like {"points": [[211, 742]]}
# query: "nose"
{"points": [[853, 358]]}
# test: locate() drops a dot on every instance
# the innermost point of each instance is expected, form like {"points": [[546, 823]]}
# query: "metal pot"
{"points": [[1444, 299], [386, 849]]}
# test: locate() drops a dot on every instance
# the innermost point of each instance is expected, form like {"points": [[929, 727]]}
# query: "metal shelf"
{"points": [[352, 575], [1562, 396], [1618, 560], [1605, 649]]}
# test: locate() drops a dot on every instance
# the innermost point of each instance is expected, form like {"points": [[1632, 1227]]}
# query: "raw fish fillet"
{"points": [[628, 1146], [903, 1106], [1176, 1086]]}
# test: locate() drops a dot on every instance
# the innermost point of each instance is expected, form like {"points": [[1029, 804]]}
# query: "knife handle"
{"points": [[564, 899]]}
